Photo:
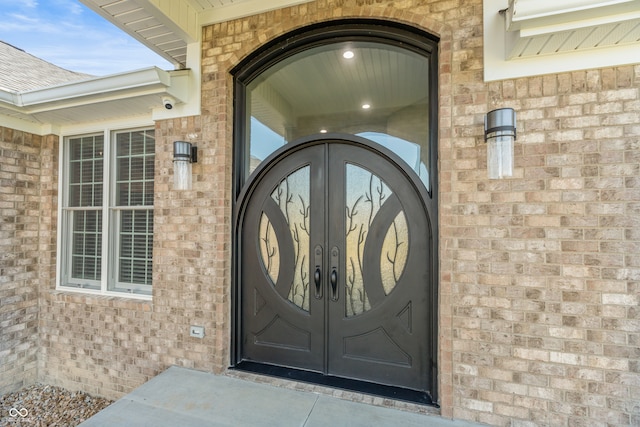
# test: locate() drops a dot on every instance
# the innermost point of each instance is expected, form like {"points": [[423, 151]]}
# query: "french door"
{"points": [[334, 266]]}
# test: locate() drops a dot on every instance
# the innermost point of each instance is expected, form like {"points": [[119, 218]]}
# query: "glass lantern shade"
{"points": [[500, 134], [182, 165]]}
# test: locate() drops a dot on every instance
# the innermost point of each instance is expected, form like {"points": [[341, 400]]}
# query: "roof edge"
{"points": [[138, 79]]}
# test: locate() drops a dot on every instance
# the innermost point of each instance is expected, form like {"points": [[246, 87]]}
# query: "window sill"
{"points": [[89, 293]]}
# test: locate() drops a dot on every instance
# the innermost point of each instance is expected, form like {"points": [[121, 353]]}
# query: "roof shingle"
{"points": [[21, 71]]}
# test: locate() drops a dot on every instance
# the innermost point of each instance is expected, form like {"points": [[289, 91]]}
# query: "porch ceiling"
{"points": [[168, 26], [62, 114]]}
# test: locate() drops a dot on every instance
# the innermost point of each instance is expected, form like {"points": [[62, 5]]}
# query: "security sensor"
{"points": [[168, 102]]}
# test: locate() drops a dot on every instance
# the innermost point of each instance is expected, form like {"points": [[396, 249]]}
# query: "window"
{"points": [[107, 212], [373, 81]]}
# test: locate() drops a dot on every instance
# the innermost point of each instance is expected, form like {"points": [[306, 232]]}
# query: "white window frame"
{"points": [[107, 285]]}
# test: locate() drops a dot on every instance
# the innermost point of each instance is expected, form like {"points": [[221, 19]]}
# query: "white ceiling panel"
{"points": [[121, 7], [134, 15], [601, 36], [633, 35]]}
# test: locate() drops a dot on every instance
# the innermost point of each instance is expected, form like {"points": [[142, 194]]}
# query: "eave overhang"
{"points": [[533, 37], [121, 95], [168, 26]]}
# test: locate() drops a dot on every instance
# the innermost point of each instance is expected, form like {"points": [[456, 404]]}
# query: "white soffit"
{"points": [[168, 26], [157, 29], [533, 37]]}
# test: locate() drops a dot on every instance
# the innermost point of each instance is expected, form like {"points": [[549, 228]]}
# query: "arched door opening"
{"points": [[335, 228]]}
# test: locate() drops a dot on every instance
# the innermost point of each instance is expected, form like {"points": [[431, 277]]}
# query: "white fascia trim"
{"points": [[140, 80], [498, 67], [524, 10], [8, 97], [244, 9]]}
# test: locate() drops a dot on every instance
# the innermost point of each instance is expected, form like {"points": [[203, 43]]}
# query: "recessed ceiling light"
{"points": [[366, 106], [348, 54], [323, 131]]}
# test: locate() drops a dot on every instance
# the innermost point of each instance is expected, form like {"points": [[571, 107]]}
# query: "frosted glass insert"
{"points": [[292, 196], [394, 253], [365, 194], [269, 249]]}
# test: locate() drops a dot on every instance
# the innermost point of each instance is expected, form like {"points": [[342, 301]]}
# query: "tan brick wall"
{"points": [[539, 318], [20, 172], [100, 345], [544, 267], [192, 250]]}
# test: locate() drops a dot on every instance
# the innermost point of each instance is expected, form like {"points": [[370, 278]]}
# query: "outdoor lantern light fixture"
{"points": [[184, 154], [499, 134]]}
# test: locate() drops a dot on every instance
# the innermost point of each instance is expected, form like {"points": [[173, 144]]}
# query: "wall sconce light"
{"points": [[499, 134], [184, 154]]}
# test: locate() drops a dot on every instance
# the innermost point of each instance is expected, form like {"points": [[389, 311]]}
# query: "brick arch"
{"points": [[421, 22]]}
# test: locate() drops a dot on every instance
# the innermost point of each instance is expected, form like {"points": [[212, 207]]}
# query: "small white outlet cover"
{"points": [[196, 331]]}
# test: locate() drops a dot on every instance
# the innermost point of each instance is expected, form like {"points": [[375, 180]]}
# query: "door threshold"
{"points": [[391, 392]]}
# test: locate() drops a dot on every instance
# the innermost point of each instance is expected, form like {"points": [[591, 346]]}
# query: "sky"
{"points": [[72, 36]]}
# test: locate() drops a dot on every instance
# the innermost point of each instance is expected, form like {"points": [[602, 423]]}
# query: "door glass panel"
{"points": [[365, 195], [269, 249], [293, 197], [393, 257], [379, 91]]}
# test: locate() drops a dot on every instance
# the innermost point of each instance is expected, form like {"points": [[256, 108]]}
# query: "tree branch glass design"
{"points": [[292, 196], [366, 196]]}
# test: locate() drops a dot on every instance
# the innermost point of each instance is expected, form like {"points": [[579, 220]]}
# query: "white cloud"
{"points": [[73, 7], [69, 35], [28, 4]]}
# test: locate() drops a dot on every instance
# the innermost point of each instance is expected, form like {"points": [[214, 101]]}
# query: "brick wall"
{"points": [[191, 249], [100, 345], [19, 258], [539, 318], [545, 266]]}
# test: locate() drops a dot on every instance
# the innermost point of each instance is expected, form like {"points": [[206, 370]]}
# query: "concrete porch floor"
{"points": [[187, 398]]}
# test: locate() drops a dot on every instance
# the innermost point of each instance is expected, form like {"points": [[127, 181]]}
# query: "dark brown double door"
{"points": [[334, 267]]}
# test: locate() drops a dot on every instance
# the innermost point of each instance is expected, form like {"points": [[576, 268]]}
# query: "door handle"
{"points": [[317, 275], [334, 285], [317, 278], [333, 277]]}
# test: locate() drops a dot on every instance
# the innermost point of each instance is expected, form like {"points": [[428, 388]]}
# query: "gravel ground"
{"points": [[43, 406]]}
